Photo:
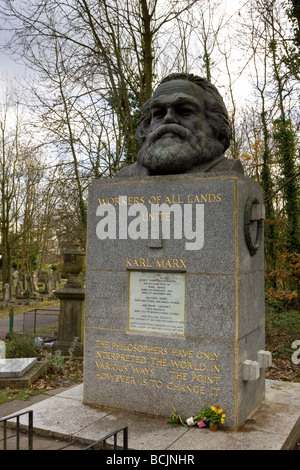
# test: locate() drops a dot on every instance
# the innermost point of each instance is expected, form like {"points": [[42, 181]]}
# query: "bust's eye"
{"points": [[158, 113], [185, 111]]}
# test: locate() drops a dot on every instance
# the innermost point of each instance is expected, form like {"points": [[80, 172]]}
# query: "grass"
{"points": [[8, 394]]}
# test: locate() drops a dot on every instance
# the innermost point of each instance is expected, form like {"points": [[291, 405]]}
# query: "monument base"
{"points": [[67, 348], [160, 375], [175, 297]]}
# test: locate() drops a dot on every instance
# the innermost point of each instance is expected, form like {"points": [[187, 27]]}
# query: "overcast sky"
{"points": [[7, 64], [11, 69]]}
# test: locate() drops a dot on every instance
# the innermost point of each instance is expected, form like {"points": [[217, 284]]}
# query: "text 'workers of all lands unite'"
{"points": [[188, 218]]}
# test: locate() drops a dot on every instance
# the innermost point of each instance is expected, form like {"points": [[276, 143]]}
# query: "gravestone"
{"points": [[16, 367], [6, 292], [2, 350], [35, 281], [19, 289], [175, 283], [12, 290]]}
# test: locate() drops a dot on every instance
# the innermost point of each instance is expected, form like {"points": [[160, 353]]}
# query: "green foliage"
{"points": [[285, 140], [282, 328], [292, 59], [19, 345], [175, 419], [56, 360], [278, 317], [72, 349]]}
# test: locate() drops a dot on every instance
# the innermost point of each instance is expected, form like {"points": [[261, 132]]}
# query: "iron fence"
{"points": [[30, 429], [102, 442], [39, 311]]}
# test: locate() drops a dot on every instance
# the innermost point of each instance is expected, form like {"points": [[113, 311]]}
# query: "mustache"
{"points": [[169, 128]]}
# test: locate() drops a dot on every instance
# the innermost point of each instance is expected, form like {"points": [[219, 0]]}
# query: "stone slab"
{"points": [[33, 373], [16, 367], [274, 425]]}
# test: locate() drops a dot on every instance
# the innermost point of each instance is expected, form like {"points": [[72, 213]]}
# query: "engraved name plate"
{"points": [[157, 302]]}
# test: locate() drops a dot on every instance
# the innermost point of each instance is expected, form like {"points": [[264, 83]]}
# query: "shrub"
{"points": [[20, 345]]}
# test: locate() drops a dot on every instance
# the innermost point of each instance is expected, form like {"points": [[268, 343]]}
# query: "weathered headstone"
{"points": [[19, 289], [49, 286], [12, 290], [35, 281], [13, 283], [57, 276], [175, 283], [2, 350], [30, 284], [6, 292]]}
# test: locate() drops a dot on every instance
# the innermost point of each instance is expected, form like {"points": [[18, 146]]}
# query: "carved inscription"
{"points": [[176, 370], [157, 302], [158, 199]]}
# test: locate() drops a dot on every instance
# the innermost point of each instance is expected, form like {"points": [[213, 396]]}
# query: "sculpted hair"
{"points": [[215, 110]]}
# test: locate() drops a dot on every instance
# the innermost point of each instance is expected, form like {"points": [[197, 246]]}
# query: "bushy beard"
{"points": [[175, 149]]}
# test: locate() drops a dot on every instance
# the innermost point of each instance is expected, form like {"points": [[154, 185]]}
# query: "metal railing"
{"points": [[39, 311], [30, 429], [102, 442]]}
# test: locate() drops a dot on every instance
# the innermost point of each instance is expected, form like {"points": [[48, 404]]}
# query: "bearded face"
{"points": [[174, 149], [179, 136]]}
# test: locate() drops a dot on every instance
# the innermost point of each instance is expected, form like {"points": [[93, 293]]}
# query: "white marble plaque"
{"points": [[157, 302]]}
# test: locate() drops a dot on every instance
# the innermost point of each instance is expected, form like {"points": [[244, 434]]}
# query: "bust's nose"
{"points": [[170, 116]]}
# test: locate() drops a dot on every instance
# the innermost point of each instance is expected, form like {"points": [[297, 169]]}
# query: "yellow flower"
{"points": [[213, 408], [223, 416], [219, 410], [222, 421]]}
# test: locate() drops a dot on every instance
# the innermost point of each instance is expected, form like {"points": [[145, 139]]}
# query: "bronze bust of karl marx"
{"points": [[184, 128]]}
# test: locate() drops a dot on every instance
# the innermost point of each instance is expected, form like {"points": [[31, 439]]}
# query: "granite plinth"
{"points": [[16, 367], [189, 350]]}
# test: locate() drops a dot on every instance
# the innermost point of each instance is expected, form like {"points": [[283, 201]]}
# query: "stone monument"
{"points": [[175, 277], [71, 296]]}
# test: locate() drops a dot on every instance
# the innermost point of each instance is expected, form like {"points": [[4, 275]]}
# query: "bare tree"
{"points": [[95, 64]]}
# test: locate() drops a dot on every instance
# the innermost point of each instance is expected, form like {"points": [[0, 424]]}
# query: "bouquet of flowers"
{"points": [[208, 416], [176, 419], [212, 415]]}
